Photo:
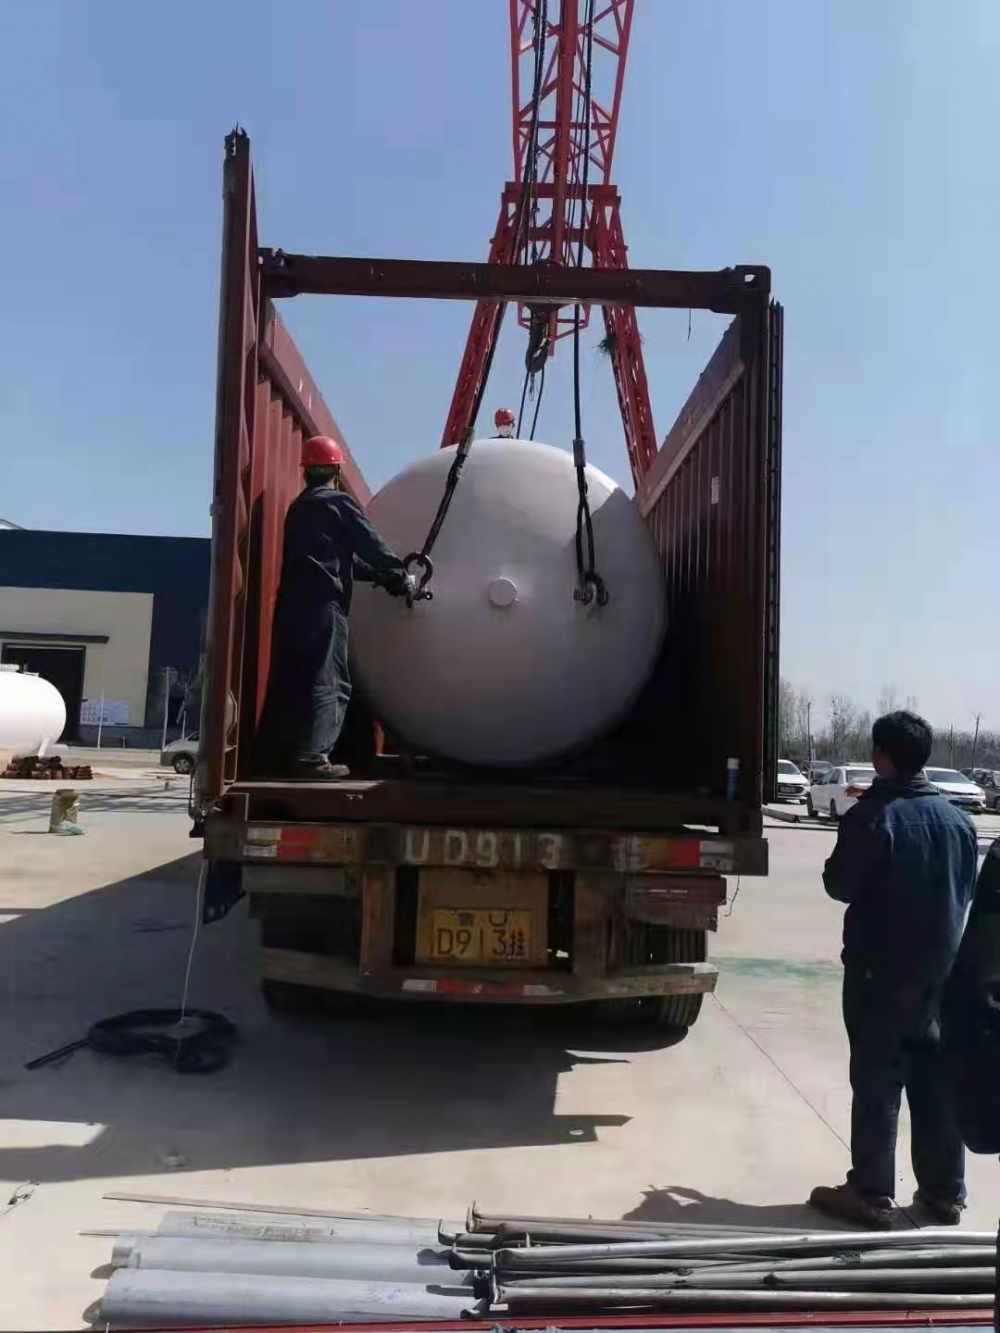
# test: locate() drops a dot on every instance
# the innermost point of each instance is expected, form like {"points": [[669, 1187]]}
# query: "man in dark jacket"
{"points": [[328, 543], [970, 1016], [905, 864]]}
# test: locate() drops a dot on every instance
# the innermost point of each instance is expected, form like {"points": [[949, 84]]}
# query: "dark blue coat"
{"points": [[328, 543], [970, 1016], [905, 864]]}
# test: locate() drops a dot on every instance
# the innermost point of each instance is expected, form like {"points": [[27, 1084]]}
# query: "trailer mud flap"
{"points": [[223, 889]]}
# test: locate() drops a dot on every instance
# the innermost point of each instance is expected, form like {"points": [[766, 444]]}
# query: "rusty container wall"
{"points": [[288, 409], [712, 501], [266, 403]]}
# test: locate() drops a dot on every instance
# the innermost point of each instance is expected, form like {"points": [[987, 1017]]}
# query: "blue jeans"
{"points": [[895, 1044]]}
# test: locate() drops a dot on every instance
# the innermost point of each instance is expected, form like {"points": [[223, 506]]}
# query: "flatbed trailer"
{"points": [[597, 880]]}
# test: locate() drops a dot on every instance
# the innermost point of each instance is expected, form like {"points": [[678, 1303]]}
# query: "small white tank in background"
{"points": [[32, 712], [504, 667]]}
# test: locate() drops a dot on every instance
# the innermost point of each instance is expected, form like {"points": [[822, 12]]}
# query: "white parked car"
{"points": [[181, 755], [792, 783], [959, 789], [838, 790]]}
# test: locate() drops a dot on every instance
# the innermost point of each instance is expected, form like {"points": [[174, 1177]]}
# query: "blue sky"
{"points": [[849, 144]]}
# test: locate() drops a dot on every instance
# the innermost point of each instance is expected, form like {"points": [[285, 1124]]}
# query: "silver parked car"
{"points": [[989, 780], [791, 784], [838, 790], [959, 789], [181, 755]]}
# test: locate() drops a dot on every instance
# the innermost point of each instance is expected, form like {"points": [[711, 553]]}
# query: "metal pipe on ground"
{"points": [[478, 1221], [600, 1269], [633, 1281], [513, 1232], [979, 1280], [353, 1262], [618, 1272], [445, 1227], [153, 1298], [971, 1255], [564, 1299], [471, 1259], [298, 1227], [474, 1240], [802, 1242]]}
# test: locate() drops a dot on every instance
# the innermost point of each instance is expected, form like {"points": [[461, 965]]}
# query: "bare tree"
{"points": [[861, 741], [887, 699], [843, 723], [912, 703], [793, 720]]}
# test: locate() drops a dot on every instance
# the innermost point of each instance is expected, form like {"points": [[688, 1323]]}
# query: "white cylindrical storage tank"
{"points": [[32, 712], [504, 666]]}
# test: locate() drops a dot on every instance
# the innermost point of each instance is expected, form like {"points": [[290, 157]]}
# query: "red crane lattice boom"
{"points": [[557, 131]]}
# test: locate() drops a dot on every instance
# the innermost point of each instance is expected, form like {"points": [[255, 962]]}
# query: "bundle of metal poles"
{"points": [[548, 1265], [261, 1265]]}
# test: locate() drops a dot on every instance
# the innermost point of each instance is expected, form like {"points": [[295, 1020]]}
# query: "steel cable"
{"points": [[590, 584], [422, 558]]}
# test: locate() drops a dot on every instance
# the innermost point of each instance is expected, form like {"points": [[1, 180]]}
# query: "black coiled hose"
{"points": [[193, 1041]]}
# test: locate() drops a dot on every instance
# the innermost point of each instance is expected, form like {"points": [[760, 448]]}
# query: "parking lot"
{"points": [[408, 1112]]}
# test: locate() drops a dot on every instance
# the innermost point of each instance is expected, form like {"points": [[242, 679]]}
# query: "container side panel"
{"points": [[712, 503], [292, 379], [267, 402], [772, 641], [235, 410]]}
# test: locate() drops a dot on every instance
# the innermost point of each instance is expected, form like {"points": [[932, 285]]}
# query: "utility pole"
{"points": [[975, 741], [809, 735], [166, 706], [951, 746]]}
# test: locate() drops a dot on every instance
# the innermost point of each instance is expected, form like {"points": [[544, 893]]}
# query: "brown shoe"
{"points": [[943, 1213], [845, 1202], [319, 772]]}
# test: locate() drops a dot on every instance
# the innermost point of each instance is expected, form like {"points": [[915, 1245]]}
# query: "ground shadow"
{"points": [[678, 1203], [297, 1089]]}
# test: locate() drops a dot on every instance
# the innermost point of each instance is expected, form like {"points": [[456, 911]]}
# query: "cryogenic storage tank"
{"points": [[32, 712], [503, 666]]}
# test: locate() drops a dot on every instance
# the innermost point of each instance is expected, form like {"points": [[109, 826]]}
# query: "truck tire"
{"points": [[659, 944], [669, 944], [679, 1011]]}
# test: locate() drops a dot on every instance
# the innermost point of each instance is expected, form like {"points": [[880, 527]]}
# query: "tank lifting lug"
{"points": [[422, 592], [593, 589]]}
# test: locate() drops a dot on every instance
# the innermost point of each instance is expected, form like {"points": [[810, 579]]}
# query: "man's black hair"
{"points": [[319, 476], [905, 738]]}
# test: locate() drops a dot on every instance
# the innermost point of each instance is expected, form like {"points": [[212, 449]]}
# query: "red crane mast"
{"points": [[567, 72]]}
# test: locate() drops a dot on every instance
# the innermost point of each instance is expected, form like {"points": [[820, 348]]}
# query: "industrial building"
{"points": [[115, 622]]}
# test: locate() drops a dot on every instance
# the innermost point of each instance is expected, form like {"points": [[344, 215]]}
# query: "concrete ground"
{"points": [[415, 1112]]}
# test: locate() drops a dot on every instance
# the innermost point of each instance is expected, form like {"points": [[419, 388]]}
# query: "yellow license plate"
{"points": [[490, 936]]}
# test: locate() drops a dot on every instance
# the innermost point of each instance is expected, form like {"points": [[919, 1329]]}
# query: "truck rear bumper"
{"points": [[524, 987]]}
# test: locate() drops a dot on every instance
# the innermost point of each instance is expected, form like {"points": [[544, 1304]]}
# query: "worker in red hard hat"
{"points": [[504, 420], [328, 543]]}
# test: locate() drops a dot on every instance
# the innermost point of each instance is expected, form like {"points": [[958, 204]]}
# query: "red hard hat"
{"points": [[321, 451], [503, 416]]}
